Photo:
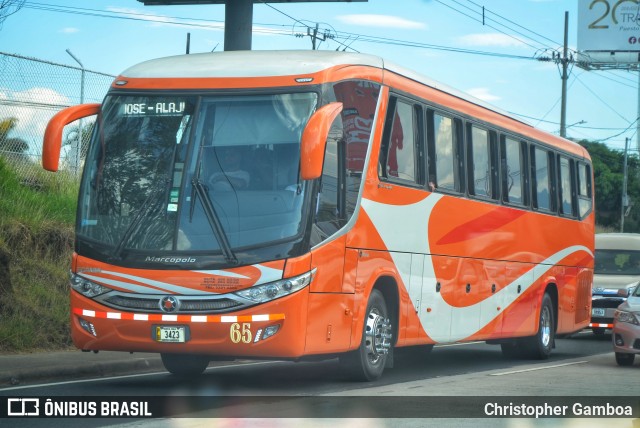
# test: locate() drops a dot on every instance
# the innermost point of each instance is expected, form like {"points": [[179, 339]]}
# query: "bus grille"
{"points": [[147, 304]]}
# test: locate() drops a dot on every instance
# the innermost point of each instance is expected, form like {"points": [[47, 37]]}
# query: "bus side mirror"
{"points": [[53, 134], [314, 140]]}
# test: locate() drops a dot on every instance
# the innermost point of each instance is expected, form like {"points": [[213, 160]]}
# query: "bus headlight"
{"points": [[275, 290], [85, 287]]}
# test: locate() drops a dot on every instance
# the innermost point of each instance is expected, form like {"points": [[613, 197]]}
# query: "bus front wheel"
{"points": [[185, 365], [368, 362]]}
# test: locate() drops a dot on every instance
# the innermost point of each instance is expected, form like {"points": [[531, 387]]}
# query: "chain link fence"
{"points": [[31, 92]]}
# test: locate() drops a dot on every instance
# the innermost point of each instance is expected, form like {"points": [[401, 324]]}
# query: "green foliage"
{"points": [[608, 168], [11, 145], [36, 244]]}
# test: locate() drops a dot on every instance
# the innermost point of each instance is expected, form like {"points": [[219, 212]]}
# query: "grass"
{"points": [[37, 215]]}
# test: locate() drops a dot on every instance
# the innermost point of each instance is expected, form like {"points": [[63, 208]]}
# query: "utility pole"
{"points": [[80, 123], [314, 36], [625, 198], [565, 77]]}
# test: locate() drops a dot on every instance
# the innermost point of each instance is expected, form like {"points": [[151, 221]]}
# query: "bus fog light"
{"points": [[86, 325], [270, 331]]}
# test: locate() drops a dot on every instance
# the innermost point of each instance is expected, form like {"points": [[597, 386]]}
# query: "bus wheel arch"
{"points": [[552, 290], [389, 288], [377, 335], [539, 346]]}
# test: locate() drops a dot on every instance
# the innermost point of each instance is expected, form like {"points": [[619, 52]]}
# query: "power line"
{"points": [[515, 23], [490, 26], [484, 19], [619, 134], [601, 100]]}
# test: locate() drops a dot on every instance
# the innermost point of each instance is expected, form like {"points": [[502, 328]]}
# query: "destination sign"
{"points": [[154, 109]]}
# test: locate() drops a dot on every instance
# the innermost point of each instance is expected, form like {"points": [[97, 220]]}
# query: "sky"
{"points": [[446, 40]]}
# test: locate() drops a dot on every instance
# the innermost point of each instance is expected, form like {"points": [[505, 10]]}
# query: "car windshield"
{"points": [[152, 152], [617, 262]]}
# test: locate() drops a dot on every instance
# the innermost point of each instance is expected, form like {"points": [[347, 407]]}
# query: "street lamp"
{"points": [[79, 143]]}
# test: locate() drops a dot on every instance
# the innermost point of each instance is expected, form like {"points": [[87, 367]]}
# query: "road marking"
{"points": [[537, 368], [14, 388], [457, 344]]}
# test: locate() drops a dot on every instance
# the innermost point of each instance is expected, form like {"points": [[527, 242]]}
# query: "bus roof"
{"points": [[278, 63], [240, 64]]}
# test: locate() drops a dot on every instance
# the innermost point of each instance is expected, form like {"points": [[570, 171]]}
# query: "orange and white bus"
{"points": [[320, 204]]}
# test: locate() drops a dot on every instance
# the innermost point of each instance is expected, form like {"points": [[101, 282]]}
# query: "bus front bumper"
{"points": [[268, 330]]}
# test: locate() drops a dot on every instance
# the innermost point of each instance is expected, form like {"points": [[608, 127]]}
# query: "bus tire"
{"points": [[368, 362], [539, 347], [624, 360], [185, 365]]}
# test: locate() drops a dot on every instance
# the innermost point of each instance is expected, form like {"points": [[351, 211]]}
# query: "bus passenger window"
{"points": [[566, 201], [445, 155], [584, 189], [512, 171], [480, 180], [541, 179], [401, 147]]}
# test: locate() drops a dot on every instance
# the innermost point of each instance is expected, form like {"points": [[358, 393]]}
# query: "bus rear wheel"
{"points": [[368, 362], [536, 347], [539, 347], [185, 365]]}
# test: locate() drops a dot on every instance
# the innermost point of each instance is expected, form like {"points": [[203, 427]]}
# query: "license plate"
{"points": [[597, 312], [170, 334]]}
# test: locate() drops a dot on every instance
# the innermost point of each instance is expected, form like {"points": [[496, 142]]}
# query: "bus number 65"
{"points": [[240, 333]]}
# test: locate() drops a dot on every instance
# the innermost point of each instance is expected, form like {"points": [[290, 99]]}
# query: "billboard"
{"points": [[609, 31], [608, 25]]}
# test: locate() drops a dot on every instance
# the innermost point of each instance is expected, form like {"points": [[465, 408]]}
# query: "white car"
{"points": [[626, 329], [617, 271]]}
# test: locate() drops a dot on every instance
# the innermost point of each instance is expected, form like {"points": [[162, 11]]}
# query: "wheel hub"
{"points": [[545, 326], [377, 336]]}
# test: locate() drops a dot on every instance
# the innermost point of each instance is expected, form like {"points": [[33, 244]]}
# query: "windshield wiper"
{"points": [[213, 218], [150, 202]]}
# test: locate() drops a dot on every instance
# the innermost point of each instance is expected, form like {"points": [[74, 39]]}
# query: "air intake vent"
{"points": [[152, 304]]}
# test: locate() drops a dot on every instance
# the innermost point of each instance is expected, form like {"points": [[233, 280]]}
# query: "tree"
{"points": [[608, 173], [9, 7], [11, 145]]}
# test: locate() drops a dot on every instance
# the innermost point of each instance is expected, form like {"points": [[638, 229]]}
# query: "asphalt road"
{"points": [[449, 380]]}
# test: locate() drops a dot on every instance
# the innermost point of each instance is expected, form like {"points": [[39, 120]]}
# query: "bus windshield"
{"points": [[195, 174]]}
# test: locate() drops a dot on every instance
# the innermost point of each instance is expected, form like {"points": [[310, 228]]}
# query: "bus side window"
{"points": [[566, 187], [400, 155], [480, 171], [443, 153], [512, 171], [540, 175], [584, 189]]}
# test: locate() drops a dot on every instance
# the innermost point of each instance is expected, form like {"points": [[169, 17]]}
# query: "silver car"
{"points": [[626, 329]]}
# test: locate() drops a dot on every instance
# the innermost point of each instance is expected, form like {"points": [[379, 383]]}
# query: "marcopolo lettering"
{"points": [[170, 259]]}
